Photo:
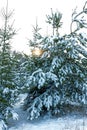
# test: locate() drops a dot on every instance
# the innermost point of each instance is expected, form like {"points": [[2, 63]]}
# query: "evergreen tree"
{"points": [[22, 70], [36, 36], [8, 89], [55, 20], [59, 79]]}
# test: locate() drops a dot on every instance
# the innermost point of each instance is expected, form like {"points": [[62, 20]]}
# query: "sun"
{"points": [[37, 52]]}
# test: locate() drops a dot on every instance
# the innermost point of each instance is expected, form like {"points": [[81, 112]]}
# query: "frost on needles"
{"points": [[58, 82]]}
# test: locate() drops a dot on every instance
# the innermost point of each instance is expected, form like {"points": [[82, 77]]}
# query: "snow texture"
{"points": [[70, 122], [14, 115], [2, 125]]}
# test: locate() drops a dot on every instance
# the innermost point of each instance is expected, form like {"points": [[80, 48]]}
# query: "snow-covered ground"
{"points": [[67, 123], [70, 122]]}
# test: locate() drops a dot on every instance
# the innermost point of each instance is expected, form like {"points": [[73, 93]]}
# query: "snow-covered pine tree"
{"points": [[22, 70], [7, 69], [59, 79]]}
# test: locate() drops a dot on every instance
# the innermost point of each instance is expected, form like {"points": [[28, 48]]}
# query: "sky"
{"points": [[27, 11]]}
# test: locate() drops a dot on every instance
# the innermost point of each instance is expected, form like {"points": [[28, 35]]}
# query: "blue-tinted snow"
{"points": [[70, 122]]}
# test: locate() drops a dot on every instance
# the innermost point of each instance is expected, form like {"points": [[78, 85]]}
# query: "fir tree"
{"points": [[59, 79], [36, 36], [55, 20], [7, 69], [22, 70]]}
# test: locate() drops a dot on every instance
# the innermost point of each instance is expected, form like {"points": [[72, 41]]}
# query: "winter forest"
{"points": [[52, 81]]}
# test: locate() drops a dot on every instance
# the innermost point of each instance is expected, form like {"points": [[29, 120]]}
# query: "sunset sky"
{"points": [[26, 12]]}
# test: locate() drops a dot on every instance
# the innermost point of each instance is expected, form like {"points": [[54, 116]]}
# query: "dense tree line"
{"points": [[54, 76]]}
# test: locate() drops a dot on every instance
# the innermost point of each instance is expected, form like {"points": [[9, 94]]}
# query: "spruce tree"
{"points": [[22, 70], [8, 89], [55, 20], [58, 82]]}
